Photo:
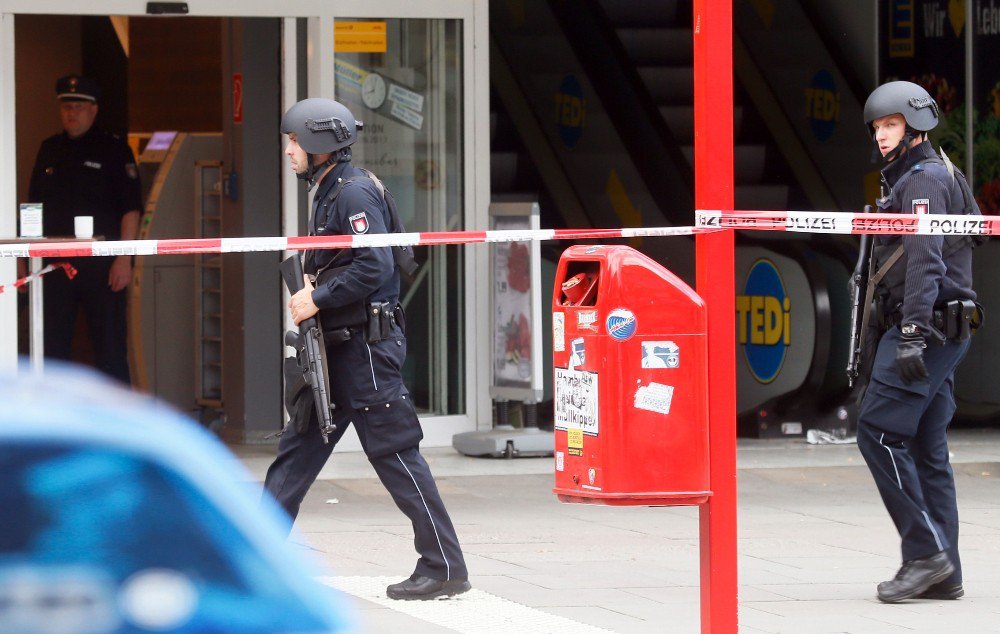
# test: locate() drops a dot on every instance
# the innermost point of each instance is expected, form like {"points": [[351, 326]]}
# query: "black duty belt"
{"points": [[380, 320], [957, 319], [338, 336]]}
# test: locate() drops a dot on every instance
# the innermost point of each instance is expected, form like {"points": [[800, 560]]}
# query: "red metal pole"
{"points": [[715, 263]]}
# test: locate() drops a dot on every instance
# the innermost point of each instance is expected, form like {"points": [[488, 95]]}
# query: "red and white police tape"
{"points": [[297, 243], [65, 266], [706, 220], [848, 223]]}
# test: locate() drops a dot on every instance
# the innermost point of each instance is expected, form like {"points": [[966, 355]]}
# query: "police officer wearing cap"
{"points": [[364, 356], [85, 171], [927, 312]]}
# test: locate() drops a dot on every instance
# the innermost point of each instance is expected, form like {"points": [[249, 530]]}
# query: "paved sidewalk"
{"points": [[814, 539]]}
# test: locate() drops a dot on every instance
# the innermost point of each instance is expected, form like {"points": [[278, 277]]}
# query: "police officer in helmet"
{"points": [[364, 356], [926, 314]]}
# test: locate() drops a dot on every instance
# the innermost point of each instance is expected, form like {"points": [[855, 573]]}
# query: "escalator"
{"points": [[601, 95], [810, 103], [513, 175], [656, 40], [580, 143]]}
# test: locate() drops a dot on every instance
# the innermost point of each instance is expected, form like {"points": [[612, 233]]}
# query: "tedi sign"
{"points": [[763, 321]]}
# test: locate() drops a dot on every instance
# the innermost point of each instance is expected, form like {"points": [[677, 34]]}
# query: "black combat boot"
{"points": [[418, 587], [943, 591], [915, 577]]}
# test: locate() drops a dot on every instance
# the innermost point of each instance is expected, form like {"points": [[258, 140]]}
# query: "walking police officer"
{"points": [[927, 312], [85, 171], [364, 355]]}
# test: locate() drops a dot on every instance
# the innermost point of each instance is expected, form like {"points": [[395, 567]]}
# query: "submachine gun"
{"points": [[861, 298], [311, 348]]}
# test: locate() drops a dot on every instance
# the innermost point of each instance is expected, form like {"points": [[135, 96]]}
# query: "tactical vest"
{"points": [[402, 255], [356, 313], [962, 202]]}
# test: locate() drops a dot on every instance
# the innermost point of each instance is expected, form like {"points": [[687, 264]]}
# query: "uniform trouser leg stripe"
{"points": [[899, 482], [930, 525], [371, 364], [881, 441], [430, 516]]}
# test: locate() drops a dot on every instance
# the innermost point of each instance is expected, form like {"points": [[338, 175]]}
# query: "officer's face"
{"points": [[296, 155], [889, 132], [77, 116]]}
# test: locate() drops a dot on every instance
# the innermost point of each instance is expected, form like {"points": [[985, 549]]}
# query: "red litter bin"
{"points": [[630, 357]]}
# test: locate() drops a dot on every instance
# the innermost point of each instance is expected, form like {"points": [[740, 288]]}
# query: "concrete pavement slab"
{"points": [[814, 540]]}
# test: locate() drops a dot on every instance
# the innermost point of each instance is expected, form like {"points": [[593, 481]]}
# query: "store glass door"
{"points": [[403, 79]]}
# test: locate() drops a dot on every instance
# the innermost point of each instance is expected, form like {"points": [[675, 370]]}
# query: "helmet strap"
{"points": [[309, 176], [904, 144]]}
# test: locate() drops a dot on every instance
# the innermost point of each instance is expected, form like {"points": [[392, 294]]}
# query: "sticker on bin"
{"points": [[558, 332], [560, 461], [621, 324], [587, 319], [576, 400], [577, 353], [660, 354], [574, 442], [654, 397]]}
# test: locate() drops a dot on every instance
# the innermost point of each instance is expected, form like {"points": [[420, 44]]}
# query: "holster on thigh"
{"points": [[299, 401]]}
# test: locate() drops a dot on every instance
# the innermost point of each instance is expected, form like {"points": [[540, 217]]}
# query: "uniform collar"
{"points": [[83, 137], [330, 180], [895, 170]]}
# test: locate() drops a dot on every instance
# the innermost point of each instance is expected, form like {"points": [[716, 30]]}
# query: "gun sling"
{"points": [[873, 282]]}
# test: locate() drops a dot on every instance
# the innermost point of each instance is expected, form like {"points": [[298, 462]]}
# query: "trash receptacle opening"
{"points": [[580, 287]]}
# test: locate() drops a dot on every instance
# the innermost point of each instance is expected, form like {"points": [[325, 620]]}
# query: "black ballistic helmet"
{"points": [[321, 126], [905, 98]]}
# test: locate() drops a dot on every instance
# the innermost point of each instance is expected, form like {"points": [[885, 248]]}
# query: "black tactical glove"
{"points": [[910, 354]]}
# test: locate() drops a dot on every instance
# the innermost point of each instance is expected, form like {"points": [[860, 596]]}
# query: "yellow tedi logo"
{"points": [[764, 321]]}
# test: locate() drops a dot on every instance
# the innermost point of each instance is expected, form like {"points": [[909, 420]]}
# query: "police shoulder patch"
{"points": [[359, 222], [921, 206]]}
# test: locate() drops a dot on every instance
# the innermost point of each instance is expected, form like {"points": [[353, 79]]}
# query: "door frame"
{"points": [[320, 78]]}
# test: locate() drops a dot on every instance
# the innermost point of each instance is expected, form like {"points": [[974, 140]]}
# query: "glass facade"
{"points": [[403, 79], [927, 45]]}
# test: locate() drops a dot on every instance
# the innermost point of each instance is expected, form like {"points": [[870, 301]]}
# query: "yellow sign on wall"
{"points": [[359, 37]]}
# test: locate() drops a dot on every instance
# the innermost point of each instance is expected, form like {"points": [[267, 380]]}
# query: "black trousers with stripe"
{"points": [[903, 436], [390, 436]]}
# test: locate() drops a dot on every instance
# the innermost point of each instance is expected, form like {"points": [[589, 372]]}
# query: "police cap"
{"points": [[77, 88]]}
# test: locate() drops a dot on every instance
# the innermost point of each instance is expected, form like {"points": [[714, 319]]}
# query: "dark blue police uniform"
{"points": [[902, 427], [365, 379], [91, 175]]}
